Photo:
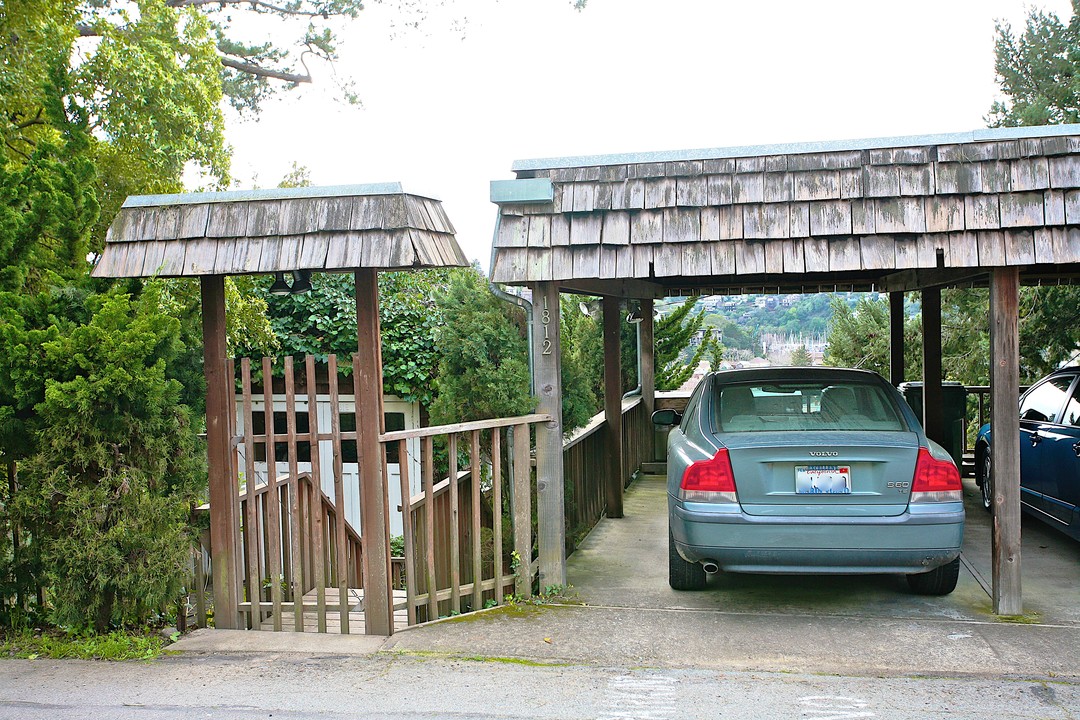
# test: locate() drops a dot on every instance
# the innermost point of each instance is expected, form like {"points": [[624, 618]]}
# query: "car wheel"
{"points": [[683, 575], [987, 485], [939, 581]]}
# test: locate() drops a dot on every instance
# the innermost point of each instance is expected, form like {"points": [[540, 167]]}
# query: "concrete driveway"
{"points": [[623, 563], [621, 612]]}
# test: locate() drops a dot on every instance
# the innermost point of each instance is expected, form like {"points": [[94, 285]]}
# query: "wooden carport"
{"points": [[354, 228], [902, 214]]}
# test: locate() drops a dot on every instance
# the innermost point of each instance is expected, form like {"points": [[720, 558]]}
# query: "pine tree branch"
{"points": [[260, 71]]}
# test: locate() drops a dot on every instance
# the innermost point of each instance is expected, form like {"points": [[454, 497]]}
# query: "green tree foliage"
{"points": [[114, 476], [859, 338], [1038, 71], [323, 323], [99, 100], [714, 354], [800, 357], [582, 363], [1049, 332], [672, 334], [483, 371]]}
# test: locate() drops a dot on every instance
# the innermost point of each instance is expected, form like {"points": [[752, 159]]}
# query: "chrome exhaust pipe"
{"points": [[710, 566]]}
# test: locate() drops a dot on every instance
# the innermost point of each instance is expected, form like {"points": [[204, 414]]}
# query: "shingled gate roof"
{"points": [[797, 217], [262, 231]]}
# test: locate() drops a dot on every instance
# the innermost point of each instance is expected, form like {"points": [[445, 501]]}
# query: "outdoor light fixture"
{"points": [[590, 308], [634, 316], [280, 287], [301, 281]]}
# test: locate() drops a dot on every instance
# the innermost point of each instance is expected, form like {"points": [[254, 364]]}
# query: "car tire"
{"points": [[986, 481], [939, 581], [683, 575]]}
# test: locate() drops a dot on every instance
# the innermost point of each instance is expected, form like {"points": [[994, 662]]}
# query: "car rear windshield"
{"points": [[799, 405]]}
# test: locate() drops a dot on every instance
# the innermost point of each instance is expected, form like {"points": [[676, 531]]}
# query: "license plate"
{"points": [[823, 479]]}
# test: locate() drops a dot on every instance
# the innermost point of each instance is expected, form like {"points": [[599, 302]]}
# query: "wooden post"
{"points": [[1005, 451], [219, 391], [648, 372], [933, 410], [613, 486], [896, 338], [522, 512], [368, 386], [547, 379]]}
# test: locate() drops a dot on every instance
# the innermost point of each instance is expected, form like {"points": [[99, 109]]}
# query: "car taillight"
{"points": [[935, 480], [710, 480]]}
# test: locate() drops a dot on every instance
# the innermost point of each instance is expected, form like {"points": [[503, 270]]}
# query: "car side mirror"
{"points": [[666, 418], [1033, 415]]}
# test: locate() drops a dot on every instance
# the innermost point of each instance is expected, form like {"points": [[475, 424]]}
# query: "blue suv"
{"points": [[1049, 452]]}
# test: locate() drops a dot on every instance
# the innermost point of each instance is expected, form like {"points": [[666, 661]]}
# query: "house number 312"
{"points": [[545, 320]]}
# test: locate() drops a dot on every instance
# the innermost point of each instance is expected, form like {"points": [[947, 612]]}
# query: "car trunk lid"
{"points": [[831, 474]]}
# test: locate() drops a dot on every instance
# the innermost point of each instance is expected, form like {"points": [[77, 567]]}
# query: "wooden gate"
{"points": [[301, 557]]}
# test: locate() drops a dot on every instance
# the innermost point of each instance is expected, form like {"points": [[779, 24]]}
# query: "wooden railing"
{"points": [[292, 532], [455, 556], [308, 556], [584, 466]]}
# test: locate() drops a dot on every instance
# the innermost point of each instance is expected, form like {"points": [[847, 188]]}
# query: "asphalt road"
{"points": [[293, 686]]}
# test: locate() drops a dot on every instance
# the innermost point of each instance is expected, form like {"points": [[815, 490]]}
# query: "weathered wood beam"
{"points": [[896, 338], [933, 410], [219, 402], [547, 379], [374, 523], [613, 486], [1005, 450], [638, 289], [910, 280]]}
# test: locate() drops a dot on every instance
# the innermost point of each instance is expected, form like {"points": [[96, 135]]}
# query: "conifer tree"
{"points": [[672, 334]]}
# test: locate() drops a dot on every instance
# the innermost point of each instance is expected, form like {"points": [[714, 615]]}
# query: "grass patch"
{"points": [[1026, 619], [436, 655], [511, 610], [30, 645]]}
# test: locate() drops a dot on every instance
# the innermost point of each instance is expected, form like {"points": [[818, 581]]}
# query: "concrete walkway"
{"points": [[621, 613]]}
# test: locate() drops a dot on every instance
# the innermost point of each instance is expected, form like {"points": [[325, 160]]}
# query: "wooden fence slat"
{"points": [[273, 501], [522, 512], [315, 506], [496, 513], [234, 497], [428, 457], [407, 530], [477, 556], [200, 588], [250, 522], [341, 563], [296, 578], [433, 430], [454, 529]]}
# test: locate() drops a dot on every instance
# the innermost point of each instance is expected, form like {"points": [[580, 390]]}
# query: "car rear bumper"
{"points": [[911, 542]]}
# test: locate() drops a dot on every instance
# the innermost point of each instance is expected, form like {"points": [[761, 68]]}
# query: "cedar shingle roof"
{"points": [[967, 200], [261, 231]]}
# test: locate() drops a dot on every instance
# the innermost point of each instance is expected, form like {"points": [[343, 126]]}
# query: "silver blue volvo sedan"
{"points": [[808, 470]]}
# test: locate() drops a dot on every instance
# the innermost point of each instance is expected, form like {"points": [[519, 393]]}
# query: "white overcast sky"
{"points": [[482, 83]]}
